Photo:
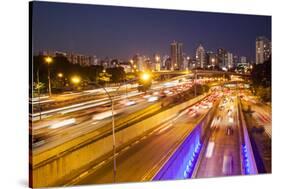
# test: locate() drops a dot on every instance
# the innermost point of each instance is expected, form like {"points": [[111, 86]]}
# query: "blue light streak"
{"points": [[246, 161], [181, 164]]}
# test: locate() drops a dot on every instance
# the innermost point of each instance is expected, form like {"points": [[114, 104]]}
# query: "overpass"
{"points": [[199, 72]]}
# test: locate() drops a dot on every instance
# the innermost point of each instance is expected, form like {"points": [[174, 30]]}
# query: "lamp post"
{"points": [[49, 60], [61, 81], [38, 91], [113, 128], [111, 98], [195, 82], [75, 80]]}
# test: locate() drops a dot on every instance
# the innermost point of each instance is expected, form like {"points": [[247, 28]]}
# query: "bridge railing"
{"points": [[248, 162]]}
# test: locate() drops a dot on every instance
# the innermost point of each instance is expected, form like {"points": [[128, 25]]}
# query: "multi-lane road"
{"points": [[65, 123], [220, 154], [136, 161]]}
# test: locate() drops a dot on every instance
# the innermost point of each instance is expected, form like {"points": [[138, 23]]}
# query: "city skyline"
{"points": [[136, 30], [119, 94]]}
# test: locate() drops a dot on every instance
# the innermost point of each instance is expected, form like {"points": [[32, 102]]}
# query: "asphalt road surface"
{"points": [[221, 155], [136, 160]]}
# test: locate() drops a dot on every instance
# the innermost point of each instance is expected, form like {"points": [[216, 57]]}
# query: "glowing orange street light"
{"points": [[145, 76], [60, 75], [75, 79], [49, 60]]}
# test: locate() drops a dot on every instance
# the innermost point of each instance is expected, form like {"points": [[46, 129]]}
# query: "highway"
{"points": [[221, 155], [261, 113], [135, 161], [82, 118], [144, 154]]}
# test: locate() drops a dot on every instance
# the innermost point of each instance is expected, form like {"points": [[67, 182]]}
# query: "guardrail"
{"points": [[248, 163]]}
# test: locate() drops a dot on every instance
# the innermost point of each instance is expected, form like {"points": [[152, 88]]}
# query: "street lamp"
{"points": [[195, 83], [60, 75], [145, 77], [113, 126], [49, 60], [75, 80]]}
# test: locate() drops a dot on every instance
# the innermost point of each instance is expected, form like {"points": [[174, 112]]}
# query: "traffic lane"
{"points": [[140, 157], [88, 117], [52, 138], [43, 133], [222, 151], [55, 137], [74, 107], [261, 115], [83, 114], [53, 112], [83, 94]]}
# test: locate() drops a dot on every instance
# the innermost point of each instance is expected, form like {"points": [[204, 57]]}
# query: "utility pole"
{"points": [[195, 82]]}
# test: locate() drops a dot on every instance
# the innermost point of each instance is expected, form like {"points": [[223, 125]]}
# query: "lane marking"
{"points": [[83, 174], [210, 149], [165, 128]]}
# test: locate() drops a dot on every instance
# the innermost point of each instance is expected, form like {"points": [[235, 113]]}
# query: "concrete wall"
{"points": [[246, 151], [58, 168]]}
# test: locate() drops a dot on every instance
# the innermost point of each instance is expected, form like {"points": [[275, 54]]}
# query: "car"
{"points": [[229, 131], [227, 167]]}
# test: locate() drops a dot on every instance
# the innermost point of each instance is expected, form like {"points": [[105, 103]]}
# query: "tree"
{"points": [[104, 77], [261, 77], [117, 74]]}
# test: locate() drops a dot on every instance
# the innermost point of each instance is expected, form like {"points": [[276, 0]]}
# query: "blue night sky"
{"points": [[120, 32]]}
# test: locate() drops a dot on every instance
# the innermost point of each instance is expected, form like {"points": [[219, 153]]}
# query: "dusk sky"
{"points": [[120, 32]]}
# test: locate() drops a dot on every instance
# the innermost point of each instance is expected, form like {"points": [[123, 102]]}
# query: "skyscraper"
{"points": [[156, 62], [221, 57], [263, 49], [211, 59], [200, 56], [229, 61], [176, 56], [243, 59]]}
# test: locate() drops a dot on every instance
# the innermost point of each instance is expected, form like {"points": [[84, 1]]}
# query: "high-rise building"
{"points": [[211, 59], [82, 60], [176, 55], [235, 60], [243, 59], [185, 62], [163, 63], [221, 57], [139, 62], [200, 56], [229, 61], [156, 62], [263, 49]]}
